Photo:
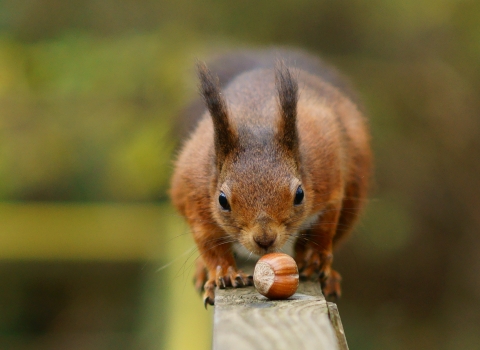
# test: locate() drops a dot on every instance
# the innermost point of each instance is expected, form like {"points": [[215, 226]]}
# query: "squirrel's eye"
{"points": [[298, 196], [222, 199]]}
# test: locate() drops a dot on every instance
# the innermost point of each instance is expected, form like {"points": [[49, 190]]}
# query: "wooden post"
{"points": [[244, 319]]}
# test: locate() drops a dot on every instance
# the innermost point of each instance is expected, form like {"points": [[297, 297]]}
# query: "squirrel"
{"points": [[280, 153]]}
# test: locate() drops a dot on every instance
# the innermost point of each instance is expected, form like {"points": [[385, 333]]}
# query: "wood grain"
{"points": [[244, 319]]}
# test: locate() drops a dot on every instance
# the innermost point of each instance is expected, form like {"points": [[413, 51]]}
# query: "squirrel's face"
{"points": [[258, 195], [261, 205]]}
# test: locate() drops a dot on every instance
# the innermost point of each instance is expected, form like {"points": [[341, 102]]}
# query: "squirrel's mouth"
{"points": [[245, 247], [262, 251], [262, 245], [261, 241]]}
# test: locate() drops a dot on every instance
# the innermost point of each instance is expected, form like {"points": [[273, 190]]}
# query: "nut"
{"points": [[276, 276]]}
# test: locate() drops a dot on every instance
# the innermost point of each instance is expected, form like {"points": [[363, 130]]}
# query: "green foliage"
{"points": [[87, 118]]}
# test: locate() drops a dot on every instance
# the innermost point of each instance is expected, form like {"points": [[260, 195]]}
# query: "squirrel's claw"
{"points": [[310, 264], [222, 281], [238, 278], [315, 265], [209, 295], [208, 301], [233, 278], [331, 285], [238, 282], [222, 284]]}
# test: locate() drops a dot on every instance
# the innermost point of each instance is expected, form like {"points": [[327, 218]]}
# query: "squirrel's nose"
{"points": [[264, 241]]}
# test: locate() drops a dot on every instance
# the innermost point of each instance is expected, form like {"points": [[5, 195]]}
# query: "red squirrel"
{"points": [[280, 153]]}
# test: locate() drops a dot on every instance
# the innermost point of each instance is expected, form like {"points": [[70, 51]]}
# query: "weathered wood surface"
{"points": [[244, 319]]}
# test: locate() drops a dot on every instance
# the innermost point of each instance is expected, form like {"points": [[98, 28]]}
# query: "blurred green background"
{"points": [[92, 256]]}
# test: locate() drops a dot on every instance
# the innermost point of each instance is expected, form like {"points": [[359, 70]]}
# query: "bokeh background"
{"points": [[92, 256]]}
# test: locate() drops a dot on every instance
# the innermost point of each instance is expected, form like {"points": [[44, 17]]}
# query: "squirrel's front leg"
{"points": [[314, 251], [216, 265]]}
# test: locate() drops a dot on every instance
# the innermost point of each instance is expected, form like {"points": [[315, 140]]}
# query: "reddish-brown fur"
{"points": [[257, 142]]}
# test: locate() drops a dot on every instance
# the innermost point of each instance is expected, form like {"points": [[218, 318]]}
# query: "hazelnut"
{"points": [[276, 276]]}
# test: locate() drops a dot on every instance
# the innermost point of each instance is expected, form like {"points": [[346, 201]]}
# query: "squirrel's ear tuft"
{"points": [[287, 88], [225, 136]]}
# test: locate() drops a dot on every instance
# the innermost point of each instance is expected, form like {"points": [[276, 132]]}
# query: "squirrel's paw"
{"points": [[234, 278], [313, 264], [229, 277], [331, 285]]}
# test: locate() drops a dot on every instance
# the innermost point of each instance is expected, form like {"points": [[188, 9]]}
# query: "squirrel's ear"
{"points": [[225, 135], [287, 88]]}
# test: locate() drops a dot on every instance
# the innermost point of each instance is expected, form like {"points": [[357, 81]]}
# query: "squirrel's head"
{"points": [[259, 196]]}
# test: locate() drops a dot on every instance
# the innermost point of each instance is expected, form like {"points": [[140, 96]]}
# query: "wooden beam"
{"points": [[76, 231], [244, 319]]}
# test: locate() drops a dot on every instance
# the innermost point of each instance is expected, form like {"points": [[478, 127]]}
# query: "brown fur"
{"points": [[266, 133]]}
